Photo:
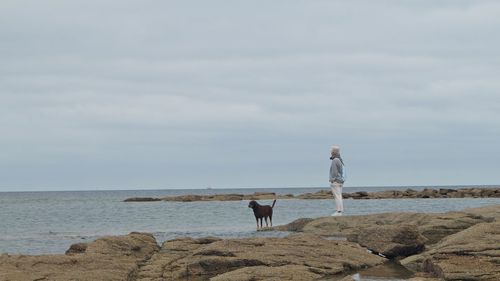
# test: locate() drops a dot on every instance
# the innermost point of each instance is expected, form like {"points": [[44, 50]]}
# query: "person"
{"points": [[337, 179]]}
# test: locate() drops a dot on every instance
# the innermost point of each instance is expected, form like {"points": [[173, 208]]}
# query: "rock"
{"points": [[445, 191], [472, 254], [322, 194], [424, 279], [141, 199], [490, 212], [392, 240], [326, 194], [431, 226], [297, 225], [109, 258], [184, 198], [362, 193], [77, 248], [277, 273], [261, 196], [303, 256]]}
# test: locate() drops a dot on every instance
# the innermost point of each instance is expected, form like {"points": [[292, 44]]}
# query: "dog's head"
{"points": [[253, 204]]}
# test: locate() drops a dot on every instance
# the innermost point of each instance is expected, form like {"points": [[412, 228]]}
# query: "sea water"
{"points": [[49, 222]]}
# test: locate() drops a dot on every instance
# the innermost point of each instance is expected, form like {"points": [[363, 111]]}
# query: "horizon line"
{"points": [[223, 188]]}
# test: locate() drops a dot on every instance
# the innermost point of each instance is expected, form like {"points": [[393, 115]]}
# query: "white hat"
{"points": [[335, 149]]}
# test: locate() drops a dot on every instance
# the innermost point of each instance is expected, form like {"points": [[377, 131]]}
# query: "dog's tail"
{"points": [[274, 202]]}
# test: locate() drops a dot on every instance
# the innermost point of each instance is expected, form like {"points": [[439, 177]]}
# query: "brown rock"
{"points": [[297, 225], [322, 194], [445, 191], [491, 212], [108, 258], [277, 273], [77, 248], [472, 254], [303, 256], [431, 226], [392, 240]]}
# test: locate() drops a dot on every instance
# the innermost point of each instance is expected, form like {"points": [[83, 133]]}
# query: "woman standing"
{"points": [[337, 179]]}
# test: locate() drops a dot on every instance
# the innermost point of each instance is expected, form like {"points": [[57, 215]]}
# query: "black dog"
{"points": [[262, 212]]}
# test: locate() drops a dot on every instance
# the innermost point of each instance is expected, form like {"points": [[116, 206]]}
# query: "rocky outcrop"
{"points": [[492, 212], [432, 226], [296, 257], [472, 254], [107, 258], [326, 194], [456, 245]]}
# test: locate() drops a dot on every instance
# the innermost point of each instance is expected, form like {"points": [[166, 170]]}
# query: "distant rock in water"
{"points": [[326, 194], [142, 199], [214, 197]]}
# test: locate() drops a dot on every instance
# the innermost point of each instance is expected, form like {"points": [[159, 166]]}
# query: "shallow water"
{"points": [[389, 271], [49, 222]]}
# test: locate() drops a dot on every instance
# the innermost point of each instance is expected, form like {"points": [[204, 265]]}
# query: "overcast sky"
{"points": [[191, 94]]}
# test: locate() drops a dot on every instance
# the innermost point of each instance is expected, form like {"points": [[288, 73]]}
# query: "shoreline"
{"points": [[326, 194], [423, 243]]}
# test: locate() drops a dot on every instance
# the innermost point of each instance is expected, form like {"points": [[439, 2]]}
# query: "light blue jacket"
{"points": [[337, 171]]}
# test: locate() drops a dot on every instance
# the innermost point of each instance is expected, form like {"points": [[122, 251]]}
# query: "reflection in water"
{"points": [[387, 271]]}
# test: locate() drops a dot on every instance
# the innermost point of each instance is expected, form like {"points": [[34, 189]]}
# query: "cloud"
{"points": [[247, 89]]}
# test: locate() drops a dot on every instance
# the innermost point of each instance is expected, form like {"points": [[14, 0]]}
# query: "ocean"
{"points": [[49, 222]]}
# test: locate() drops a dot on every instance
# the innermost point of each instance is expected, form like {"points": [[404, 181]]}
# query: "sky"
{"points": [[241, 94]]}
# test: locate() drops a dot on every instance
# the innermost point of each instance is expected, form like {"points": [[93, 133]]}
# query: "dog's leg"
{"points": [[257, 221], [266, 221], [261, 223], [271, 220]]}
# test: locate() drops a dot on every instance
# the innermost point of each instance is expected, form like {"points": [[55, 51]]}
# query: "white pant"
{"points": [[337, 194]]}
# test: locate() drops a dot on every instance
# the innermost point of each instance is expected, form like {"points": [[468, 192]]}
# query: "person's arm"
{"points": [[340, 168], [332, 172]]}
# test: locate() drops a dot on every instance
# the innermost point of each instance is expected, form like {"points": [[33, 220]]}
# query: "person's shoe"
{"points": [[337, 214]]}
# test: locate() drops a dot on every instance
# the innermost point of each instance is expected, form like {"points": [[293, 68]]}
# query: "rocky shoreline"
{"points": [[461, 245], [326, 194]]}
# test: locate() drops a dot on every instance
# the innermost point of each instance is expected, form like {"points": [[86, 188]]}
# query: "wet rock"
{"points": [[303, 255], [472, 254], [109, 258]]}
